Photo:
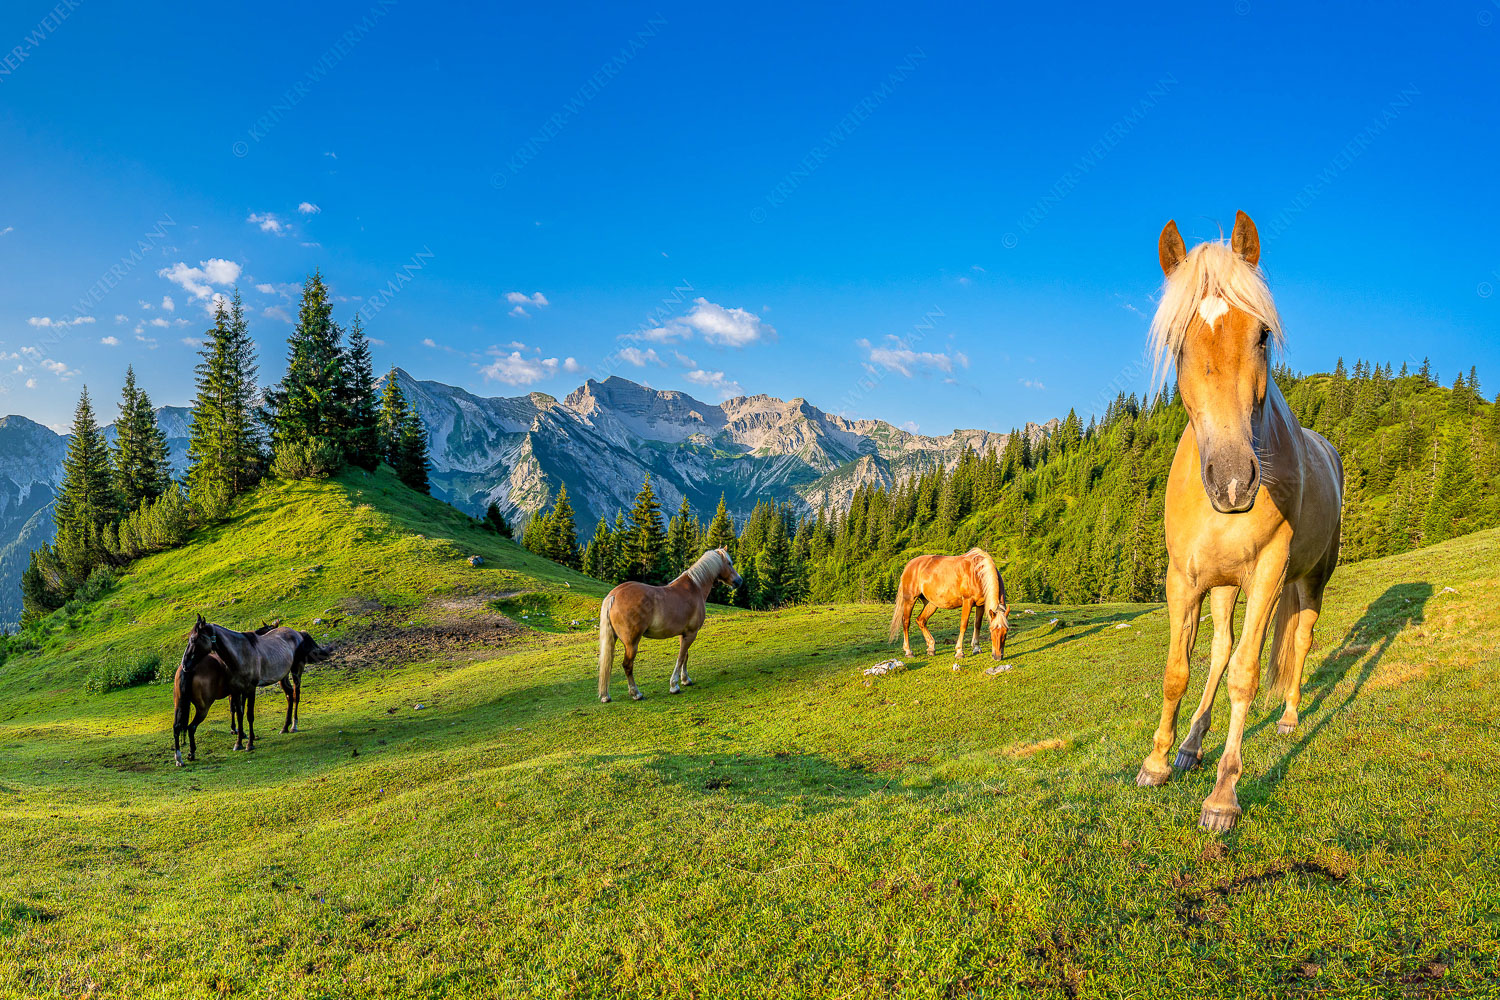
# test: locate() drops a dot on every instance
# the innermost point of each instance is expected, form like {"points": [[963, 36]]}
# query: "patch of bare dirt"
{"points": [[1028, 749], [385, 642]]}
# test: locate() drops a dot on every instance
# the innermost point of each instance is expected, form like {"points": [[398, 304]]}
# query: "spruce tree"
{"points": [[598, 556], [682, 541], [87, 502], [495, 521], [306, 408], [411, 455], [648, 540], [562, 534], [142, 468], [361, 410], [392, 415], [224, 443]]}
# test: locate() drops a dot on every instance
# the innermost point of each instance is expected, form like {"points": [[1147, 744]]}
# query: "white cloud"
{"points": [[268, 223], [571, 365], [211, 306], [897, 357], [276, 312], [729, 327], [167, 303], [428, 342], [517, 369], [48, 321], [519, 313], [109, 341], [7, 229], [121, 318], [308, 208], [1031, 383], [265, 289], [191, 342], [161, 321], [522, 299], [59, 369], [31, 383], [684, 360], [199, 281], [640, 358], [725, 387]]}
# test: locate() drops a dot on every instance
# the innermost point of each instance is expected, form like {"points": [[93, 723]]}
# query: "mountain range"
{"points": [[601, 440]]}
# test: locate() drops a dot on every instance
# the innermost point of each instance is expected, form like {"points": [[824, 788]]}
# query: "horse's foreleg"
{"points": [[629, 664], [679, 672], [963, 629], [978, 617], [199, 711], [296, 700], [1221, 810], [286, 687], [1222, 602], [927, 612], [1184, 599], [250, 719]]}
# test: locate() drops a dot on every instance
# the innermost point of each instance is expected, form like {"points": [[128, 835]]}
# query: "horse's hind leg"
{"points": [[286, 687], [250, 720], [631, 647], [978, 617], [1190, 754], [1310, 600], [963, 629], [1184, 600], [927, 612], [199, 711], [296, 700], [680, 670]]}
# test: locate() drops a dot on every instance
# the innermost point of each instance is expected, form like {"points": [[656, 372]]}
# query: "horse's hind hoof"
{"points": [[1217, 819], [687, 682], [638, 696], [1186, 761], [1285, 729], [1148, 778], [604, 699]]}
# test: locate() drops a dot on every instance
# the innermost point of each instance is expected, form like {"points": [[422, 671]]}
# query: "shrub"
{"points": [[112, 676], [318, 458]]}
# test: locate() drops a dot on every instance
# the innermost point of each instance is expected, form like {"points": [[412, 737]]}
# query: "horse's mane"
{"points": [[1210, 270], [706, 569], [989, 577]]}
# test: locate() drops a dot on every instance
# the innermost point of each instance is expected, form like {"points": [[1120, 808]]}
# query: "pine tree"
{"points": [[392, 413], [143, 470], [598, 555], [648, 541], [495, 520], [682, 540], [411, 453], [87, 501], [361, 410], [305, 408]]}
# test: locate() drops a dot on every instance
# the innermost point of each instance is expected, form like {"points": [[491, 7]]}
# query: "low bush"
{"points": [[117, 674]]}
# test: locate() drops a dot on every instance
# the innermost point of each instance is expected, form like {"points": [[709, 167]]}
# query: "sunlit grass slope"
{"points": [[784, 828]]}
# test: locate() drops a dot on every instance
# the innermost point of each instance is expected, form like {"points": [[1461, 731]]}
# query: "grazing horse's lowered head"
{"points": [[1217, 323]]}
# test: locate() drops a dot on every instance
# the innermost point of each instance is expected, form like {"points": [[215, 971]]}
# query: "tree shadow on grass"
{"points": [[1402, 604], [1095, 626]]}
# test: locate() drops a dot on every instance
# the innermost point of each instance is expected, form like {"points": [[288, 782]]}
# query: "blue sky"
{"points": [[931, 214]]}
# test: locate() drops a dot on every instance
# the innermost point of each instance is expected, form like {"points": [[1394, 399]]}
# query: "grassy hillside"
{"points": [[784, 828]]}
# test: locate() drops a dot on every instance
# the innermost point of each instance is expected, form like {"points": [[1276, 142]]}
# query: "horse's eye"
{"points": [[1265, 335]]}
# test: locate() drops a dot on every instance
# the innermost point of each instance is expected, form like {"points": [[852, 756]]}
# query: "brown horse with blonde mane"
{"points": [[947, 582], [1253, 502], [633, 610]]}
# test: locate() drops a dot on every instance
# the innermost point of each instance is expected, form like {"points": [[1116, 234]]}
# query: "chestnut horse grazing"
{"points": [[1253, 502], [633, 610], [948, 582]]}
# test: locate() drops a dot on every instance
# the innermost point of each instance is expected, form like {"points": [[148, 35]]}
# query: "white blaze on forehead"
{"points": [[1211, 308]]}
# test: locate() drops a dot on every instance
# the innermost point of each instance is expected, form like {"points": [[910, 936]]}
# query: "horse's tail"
{"points": [[903, 606], [1281, 674], [182, 699], [606, 646]]}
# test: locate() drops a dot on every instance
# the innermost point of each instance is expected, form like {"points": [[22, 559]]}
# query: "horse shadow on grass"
{"points": [[810, 781], [1402, 604]]}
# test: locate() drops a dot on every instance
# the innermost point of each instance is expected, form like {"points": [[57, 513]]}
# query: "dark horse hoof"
{"points": [[1186, 761]]}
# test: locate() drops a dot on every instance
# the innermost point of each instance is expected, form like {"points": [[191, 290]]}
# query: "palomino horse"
{"points": [[633, 610], [199, 688], [1253, 502], [948, 582], [256, 659]]}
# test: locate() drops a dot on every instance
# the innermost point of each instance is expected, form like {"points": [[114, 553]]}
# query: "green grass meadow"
{"points": [[785, 828]]}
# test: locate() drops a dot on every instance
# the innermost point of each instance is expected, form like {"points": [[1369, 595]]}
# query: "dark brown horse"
{"points": [[269, 655], [198, 688]]}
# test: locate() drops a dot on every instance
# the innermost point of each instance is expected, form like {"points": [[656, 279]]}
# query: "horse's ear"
{"points": [[1170, 247], [200, 618], [1245, 240]]}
